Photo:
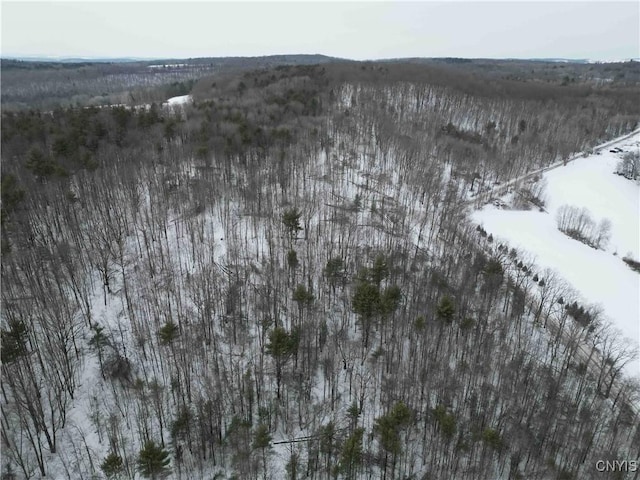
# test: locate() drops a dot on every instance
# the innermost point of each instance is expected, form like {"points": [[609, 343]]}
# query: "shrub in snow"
{"points": [[581, 315], [578, 224], [533, 194], [481, 231], [629, 166], [118, 367], [633, 264]]}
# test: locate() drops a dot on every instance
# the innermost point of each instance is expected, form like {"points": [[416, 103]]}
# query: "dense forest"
{"points": [[279, 280], [46, 85]]}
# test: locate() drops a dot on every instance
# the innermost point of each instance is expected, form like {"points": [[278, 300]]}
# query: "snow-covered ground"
{"points": [[599, 276], [170, 65], [181, 100]]}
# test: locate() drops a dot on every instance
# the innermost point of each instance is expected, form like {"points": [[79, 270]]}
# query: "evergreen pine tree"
{"points": [[153, 461], [292, 259], [281, 346], [351, 456], [14, 342], [293, 466], [334, 271], [99, 341], [302, 296], [366, 303], [390, 299], [291, 221], [380, 270], [168, 333], [446, 309], [262, 441], [112, 465]]}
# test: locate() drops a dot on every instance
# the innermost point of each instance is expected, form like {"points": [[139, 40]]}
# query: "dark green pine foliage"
{"points": [[446, 421], [281, 346], [112, 465], [291, 221], [366, 302], [334, 271], [98, 342], [493, 274], [302, 296], [12, 195], [328, 443], [42, 166], [492, 438], [446, 309], [388, 427], [262, 441], [153, 461], [181, 426], [293, 466], [14, 342], [351, 455], [366, 299], [369, 301], [281, 343], [390, 300], [261, 437], [292, 259], [168, 333], [99, 339], [380, 270]]}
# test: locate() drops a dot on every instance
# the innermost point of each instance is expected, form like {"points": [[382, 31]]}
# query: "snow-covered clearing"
{"points": [[599, 276], [169, 65], [181, 100]]}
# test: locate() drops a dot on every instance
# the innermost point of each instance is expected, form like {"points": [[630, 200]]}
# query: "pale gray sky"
{"points": [[357, 30]]}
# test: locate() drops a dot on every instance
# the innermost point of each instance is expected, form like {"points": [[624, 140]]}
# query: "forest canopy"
{"points": [[279, 279]]}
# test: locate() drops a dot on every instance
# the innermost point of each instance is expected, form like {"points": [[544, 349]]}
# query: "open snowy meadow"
{"points": [[600, 276]]}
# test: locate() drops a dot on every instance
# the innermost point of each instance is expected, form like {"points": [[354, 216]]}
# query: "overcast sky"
{"points": [[357, 30]]}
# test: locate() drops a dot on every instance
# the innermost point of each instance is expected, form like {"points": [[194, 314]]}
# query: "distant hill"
{"points": [[302, 59], [45, 82], [52, 59]]}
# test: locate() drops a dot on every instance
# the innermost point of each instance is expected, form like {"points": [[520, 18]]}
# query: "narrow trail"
{"points": [[504, 187]]}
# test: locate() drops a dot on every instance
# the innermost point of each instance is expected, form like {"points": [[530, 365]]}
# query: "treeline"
{"points": [[47, 85], [279, 281], [578, 224], [563, 73], [95, 84]]}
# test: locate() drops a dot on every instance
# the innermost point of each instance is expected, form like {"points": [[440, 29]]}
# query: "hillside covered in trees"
{"points": [[280, 281]]}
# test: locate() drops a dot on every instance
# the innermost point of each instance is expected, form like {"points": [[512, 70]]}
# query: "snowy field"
{"points": [[181, 100], [599, 276]]}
